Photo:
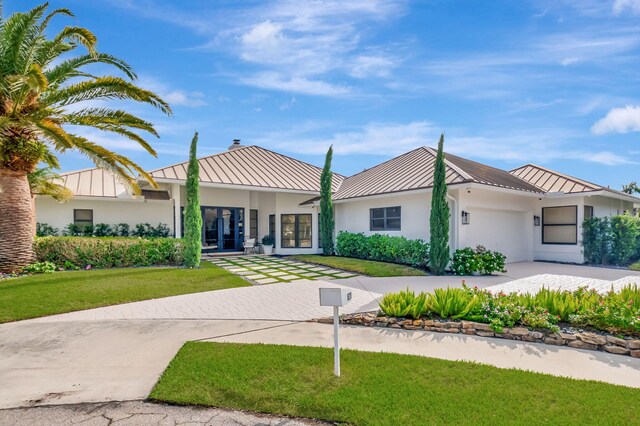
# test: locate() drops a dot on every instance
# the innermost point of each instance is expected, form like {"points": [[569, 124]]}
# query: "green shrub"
{"points": [[121, 230], [383, 248], [611, 240], [45, 230], [40, 268], [452, 303], [103, 230], [404, 304], [467, 261], [625, 230], [613, 312], [108, 252]]}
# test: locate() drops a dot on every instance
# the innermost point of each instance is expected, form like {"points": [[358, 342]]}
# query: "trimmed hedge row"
{"points": [[383, 248], [611, 240], [108, 252]]}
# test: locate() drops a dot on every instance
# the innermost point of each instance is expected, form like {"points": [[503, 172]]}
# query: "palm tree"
{"points": [[42, 181], [631, 188], [37, 89]]}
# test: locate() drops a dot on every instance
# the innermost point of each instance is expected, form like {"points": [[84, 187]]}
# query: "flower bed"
{"points": [[574, 338]]}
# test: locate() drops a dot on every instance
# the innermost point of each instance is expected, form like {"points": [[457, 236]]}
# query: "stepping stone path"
{"points": [[262, 269]]}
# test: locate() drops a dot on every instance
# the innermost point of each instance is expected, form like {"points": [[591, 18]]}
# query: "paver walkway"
{"points": [[271, 269], [563, 282]]}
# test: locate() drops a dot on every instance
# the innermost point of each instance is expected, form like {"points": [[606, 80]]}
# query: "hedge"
{"points": [[108, 252], [383, 248], [611, 240]]}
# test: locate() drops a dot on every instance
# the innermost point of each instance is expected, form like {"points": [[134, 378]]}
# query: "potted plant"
{"points": [[267, 244]]}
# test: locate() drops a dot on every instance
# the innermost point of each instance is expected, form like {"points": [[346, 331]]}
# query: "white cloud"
{"points": [[620, 6], [171, 95], [275, 81], [619, 120], [391, 139]]}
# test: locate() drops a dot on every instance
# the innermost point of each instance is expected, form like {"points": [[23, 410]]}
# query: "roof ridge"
{"points": [[455, 167], [564, 175], [80, 171]]}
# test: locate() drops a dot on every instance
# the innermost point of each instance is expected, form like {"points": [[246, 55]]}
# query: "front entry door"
{"points": [[222, 228]]}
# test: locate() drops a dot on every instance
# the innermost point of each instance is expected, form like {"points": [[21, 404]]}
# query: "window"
{"points": [[295, 231], [272, 226], [319, 232], [384, 219], [588, 212], [83, 217], [560, 225], [253, 223]]}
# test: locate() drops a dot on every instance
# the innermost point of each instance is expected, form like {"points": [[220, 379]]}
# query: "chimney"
{"points": [[235, 145]]}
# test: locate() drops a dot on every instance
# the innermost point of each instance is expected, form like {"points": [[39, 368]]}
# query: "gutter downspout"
{"points": [[455, 222]]}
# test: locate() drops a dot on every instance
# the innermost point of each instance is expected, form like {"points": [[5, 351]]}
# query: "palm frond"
{"points": [[69, 68], [44, 181], [55, 134], [99, 116], [78, 35], [53, 13], [105, 88]]}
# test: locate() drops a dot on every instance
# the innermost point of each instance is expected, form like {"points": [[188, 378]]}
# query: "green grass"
{"points": [[47, 294], [384, 389], [360, 266]]}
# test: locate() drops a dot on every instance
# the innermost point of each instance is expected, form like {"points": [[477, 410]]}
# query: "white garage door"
{"points": [[498, 230]]}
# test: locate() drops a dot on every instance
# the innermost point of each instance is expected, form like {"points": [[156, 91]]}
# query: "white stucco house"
{"points": [[529, 213]]}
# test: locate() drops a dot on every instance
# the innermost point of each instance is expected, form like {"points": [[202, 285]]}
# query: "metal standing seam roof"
{"points": [[415, 169], [252, 166], [93, 182], [552, 181]]}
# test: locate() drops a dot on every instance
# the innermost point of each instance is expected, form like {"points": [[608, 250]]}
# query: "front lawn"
{"points": [[360, 266], [383, 388], [48, 294]]}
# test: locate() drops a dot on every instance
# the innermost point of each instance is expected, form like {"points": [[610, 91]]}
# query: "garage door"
{"points": [[498, 230]]}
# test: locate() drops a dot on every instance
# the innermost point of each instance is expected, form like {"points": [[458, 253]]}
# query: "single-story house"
{"points": [[529, 213]]}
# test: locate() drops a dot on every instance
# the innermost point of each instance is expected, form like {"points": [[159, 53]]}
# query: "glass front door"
{"points": [[222, 228]]}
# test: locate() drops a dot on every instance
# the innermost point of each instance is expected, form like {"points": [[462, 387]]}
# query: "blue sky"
{"points": [[510, 82]]}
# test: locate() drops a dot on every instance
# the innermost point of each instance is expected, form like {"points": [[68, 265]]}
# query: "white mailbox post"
{"points": [[335, 297]]}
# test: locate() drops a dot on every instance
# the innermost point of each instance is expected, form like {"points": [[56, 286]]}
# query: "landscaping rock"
{"points": [[429, 323], [579, 344], [528, 338], [635, 354], [591, 338], [406, 322], [483, 327], [616, 350], [450, 324], [554, 341], [536, 335], [469, 325], [520, 331], [633, 344], [486, 334], [381, 319], [507, 336], [445, 330], [469, 331], [417, 323], [567, 336], [617, 341], [410, 327], [395, 326], [384, 324]]}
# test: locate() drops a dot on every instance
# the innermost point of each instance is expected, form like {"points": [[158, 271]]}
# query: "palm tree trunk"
{"points": [[16, 221]]}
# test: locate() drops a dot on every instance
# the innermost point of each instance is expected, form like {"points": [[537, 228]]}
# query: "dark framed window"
{"points": [[560, 225], [385, 219], [83, 217], [272, 226], [588, 212], [295, 231], [253, 223], [319, 232]]}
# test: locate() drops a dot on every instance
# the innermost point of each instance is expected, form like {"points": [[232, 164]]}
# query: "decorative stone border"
{"points": [[584, 340]]}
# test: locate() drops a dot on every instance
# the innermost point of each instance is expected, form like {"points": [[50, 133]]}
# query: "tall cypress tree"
{"points": [[192, 213], [327, 223], [439, 219]]}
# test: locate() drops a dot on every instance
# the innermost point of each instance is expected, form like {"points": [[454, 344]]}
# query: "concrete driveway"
{"points": [[118, 352]]}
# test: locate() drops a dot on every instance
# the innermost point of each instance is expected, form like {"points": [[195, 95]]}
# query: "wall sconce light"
{"points": [[466, 217], [536, 220]]}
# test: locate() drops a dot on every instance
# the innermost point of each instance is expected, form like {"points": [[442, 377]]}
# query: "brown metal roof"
{"points": [[414, 170], [253, 166], [552, 181], [92, 183]]}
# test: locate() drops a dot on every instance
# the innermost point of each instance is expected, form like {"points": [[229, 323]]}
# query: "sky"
{"points": [[555, 83]]}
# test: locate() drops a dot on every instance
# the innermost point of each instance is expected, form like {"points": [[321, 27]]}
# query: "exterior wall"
{"points": [[558, 252], [353, 216], [500, 221], [109, 211]]}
